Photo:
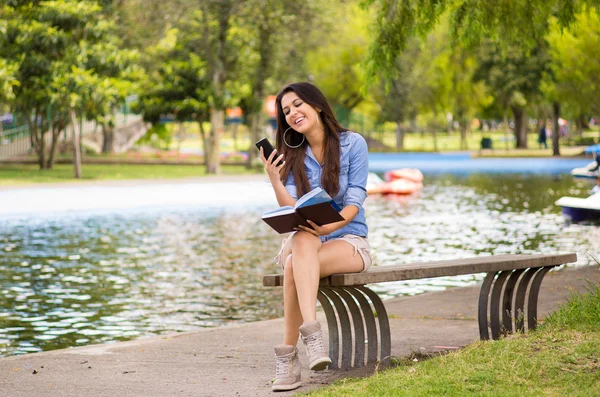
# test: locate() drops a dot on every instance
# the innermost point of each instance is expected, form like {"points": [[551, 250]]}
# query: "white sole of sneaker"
{"points": [[286, 387], [320, 364]]}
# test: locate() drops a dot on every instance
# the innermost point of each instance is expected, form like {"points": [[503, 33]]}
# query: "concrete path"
{"points": [[239, 360]]}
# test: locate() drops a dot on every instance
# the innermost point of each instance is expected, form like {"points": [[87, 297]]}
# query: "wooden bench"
{"points": [[356, 316]]}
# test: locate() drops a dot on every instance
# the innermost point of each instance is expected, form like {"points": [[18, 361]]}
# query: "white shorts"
{"points": [[360, 244]]}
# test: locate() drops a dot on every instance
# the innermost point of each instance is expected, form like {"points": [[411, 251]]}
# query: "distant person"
{"points": [[318, 152], [543, 136]]}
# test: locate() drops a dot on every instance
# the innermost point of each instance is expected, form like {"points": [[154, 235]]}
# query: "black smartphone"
{"points": [[267, 149]]}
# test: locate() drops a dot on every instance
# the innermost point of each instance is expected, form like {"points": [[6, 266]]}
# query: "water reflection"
{"points": [[79, 279]]}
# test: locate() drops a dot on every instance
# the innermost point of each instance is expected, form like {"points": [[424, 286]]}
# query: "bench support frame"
{"points": [[510, 291], [355, 311], [356, 316]]}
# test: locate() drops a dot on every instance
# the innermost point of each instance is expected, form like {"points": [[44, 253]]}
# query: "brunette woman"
{"points": [[316, 151]]}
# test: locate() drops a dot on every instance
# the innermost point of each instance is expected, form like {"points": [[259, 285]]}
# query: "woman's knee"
{"points": [[304, 241]]}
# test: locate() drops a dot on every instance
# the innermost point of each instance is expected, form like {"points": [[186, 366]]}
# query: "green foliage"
{"points": [[336, 64], [159, 137], [179, 84], [8, 80], [523, 23], [512, 75], [574, 79], [69, 57]]}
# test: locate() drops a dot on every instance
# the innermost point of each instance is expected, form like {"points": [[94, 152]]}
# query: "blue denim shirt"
{"points": [[354, 170]]}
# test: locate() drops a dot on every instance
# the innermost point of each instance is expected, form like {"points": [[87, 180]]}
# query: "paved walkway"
{"points": [[238, 360]]}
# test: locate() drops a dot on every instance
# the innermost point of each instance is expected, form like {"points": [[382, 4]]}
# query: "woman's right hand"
{"points": [[270, 164]]}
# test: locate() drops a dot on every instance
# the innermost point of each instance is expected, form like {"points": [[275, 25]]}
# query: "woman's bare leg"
{"points": [[305, 260], [292, 317], [332, 257]]}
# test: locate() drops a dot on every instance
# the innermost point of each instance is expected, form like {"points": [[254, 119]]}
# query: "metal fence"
{"points": [[15, 137]]}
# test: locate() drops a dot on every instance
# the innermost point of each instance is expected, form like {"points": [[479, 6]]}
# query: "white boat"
{"points": [[589, 171], [592, 170], [580, 209]]}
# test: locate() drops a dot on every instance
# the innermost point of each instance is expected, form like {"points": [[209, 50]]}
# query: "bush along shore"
{"points": [[560, 358]]}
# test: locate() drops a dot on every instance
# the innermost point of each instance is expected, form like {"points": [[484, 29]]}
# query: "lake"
{"points": [[95, 264]]}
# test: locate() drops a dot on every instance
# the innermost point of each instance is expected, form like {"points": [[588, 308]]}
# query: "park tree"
{"points": [[179, 85], [335, 64], [524, 23], [51, 40], [396, 94], [515, 77], [574, 78], [275, 34], [195, 73]]}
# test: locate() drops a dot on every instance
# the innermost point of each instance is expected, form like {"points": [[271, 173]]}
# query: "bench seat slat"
{"points": [[454, 267]]}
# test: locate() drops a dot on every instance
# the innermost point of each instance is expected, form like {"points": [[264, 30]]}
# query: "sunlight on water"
{"points": [[78, 278]]}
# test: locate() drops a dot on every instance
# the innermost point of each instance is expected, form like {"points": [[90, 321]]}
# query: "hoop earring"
{"points": [[290, 146]]}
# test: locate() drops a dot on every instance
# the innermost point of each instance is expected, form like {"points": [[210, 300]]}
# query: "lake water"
{"points": [[103, 264]]}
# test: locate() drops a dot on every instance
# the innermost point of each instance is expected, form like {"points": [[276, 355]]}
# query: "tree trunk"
{"points": [[520, 127], [38, 135], [56, 130], [399, 135], [580, 123], [463, 135], [204, 143], [556, 129], [506, 128], [76, 146], [216, 121], [108, 138]]}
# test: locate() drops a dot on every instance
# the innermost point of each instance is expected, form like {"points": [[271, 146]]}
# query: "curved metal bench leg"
{"points": [[520, 298], [495, 304], [332, 326], [370, 324], [507, 301], [506, 286], [483, 305], [358, 327], [534, 291], [384, 325], [345, 328]]}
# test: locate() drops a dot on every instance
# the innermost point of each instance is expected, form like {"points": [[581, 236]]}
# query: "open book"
{"points": [[315, 205]]}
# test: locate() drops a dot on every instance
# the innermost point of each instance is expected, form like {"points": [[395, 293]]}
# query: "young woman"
{"points": [[316, 151]]}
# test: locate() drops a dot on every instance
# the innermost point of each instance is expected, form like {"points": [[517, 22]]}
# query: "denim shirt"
{"points": [[354, 170]]}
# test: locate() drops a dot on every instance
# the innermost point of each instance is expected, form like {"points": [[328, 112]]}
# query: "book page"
{"points": [[286, 209], [304, 199]]}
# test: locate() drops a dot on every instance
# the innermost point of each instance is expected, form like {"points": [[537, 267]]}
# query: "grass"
{"points": [[561, 358], [18, 174]]}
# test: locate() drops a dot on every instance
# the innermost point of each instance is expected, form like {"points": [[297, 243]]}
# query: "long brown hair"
{"points": [[294, 158]]}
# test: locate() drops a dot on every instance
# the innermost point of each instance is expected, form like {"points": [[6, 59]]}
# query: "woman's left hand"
{"points": [[316, 229]]}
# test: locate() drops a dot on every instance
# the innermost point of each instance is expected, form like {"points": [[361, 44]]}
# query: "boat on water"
{"points": [[591, 170], [403, 181], [580, 209]]}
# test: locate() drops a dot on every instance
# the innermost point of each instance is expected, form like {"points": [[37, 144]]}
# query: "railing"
{"points": [[17, 141], [14, 141]]}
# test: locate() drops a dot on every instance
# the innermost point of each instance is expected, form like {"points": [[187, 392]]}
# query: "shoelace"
{"points": [[314, 343], [283, 366]]}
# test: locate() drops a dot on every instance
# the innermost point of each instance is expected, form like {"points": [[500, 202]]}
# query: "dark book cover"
{"points": [[285, 222]]}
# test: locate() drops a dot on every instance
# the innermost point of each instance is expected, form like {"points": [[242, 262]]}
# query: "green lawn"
{"points": [[561, 358], [24, 174]]}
